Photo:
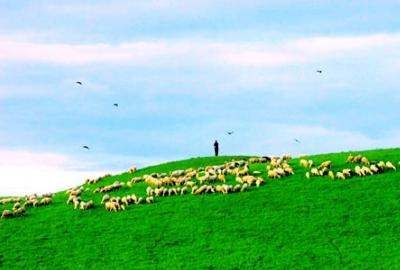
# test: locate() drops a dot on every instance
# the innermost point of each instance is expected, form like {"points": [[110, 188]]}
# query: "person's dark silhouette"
{"points": [[216, 148]]}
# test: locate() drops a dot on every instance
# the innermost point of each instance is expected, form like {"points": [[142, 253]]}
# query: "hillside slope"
{"points": [[291, 222]]}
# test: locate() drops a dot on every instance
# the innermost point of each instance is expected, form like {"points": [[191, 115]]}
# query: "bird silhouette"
{"points": [[319, 71], [85, 147], [78, 82], [296, 140], [229, 132], [115, 104]]}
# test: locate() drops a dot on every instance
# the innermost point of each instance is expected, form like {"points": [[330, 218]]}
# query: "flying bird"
{"points": [[319, 71], [296, 140], [229, 132], [115, 104], [85, 147], [78, 82]]}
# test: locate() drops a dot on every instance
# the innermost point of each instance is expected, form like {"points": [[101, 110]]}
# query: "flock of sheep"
{"points": [[363, 168], [203, 180], [22, 203]]}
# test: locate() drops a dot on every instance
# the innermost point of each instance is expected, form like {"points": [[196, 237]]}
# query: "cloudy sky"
{"points": [[185, 72]]}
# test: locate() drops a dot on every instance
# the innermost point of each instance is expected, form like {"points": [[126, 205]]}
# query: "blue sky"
{"points": [[185, 72]]}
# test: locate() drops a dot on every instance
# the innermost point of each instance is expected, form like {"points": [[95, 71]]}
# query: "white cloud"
{"points": [[24, 172], [201, 52]]}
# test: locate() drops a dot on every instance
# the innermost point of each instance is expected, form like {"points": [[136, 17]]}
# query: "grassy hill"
{"points": [[288, 223]]}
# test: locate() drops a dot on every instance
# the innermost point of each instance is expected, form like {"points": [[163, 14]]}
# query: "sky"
{"points": [[184, 73]]}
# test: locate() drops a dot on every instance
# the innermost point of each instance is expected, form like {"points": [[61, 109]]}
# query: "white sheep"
{"points": [[259, 181], [149, 191], [244, 187], [105, 198], [86, 205], [7, 214], [346, 172], [389, 165], [150, 199], [139, 200], [340, 175], [132, 169], [183, 190]]}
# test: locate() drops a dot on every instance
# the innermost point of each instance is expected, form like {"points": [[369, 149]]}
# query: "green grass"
{"points": [[288, 223]]}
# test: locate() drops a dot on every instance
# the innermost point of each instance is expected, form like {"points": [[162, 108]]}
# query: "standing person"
{"points": [[216, 148]]}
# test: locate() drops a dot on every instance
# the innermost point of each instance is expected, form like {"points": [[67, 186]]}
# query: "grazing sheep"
{"points": [[42, 202], [326, 164], [30, 202], [367, 170], [381, 165], [224, 189], [105, 198], [359, 171], [200, 190], [390, 166], [72, 198], [139, 200], [308, 175], [16, 206], [76, 203], [304, 163], [158, 191], [346, 172], [244, 187], [134, 199], [183, 190], [93, 181], [249, 179], [288, 170], [75, 191], [244, 171], [357, 159], [315, 172], [124, 200], [150, 199], [350, 159], [209, 189], [7, 214], [257, 160], [218, 188], [273, 174], [86, 205], [194, 188], [331, 175], [132, 169], [19, 211], [340, 175], [259, 181], [149, 191], [364, 161], [112, 206], [178, 173], [374, 169], [114, 186]]}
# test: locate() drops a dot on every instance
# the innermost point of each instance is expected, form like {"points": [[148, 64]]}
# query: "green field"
{"points": [[288, 223]]}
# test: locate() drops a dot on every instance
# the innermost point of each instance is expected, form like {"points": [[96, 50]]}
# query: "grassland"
{"points": [[290, 223]]}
